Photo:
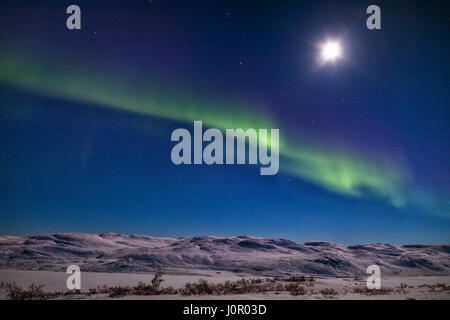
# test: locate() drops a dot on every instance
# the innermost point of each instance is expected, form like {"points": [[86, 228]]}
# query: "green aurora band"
{"points": [[342, 171]]}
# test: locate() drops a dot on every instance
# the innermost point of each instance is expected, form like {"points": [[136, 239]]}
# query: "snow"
{"points": [[56, 281], [112, 252]]}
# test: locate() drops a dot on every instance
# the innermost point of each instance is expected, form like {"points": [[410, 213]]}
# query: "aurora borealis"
{"points": [[340, 172], [344, 161]]}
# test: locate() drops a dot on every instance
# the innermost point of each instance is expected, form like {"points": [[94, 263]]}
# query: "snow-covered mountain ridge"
{"points": [[111, 252]]}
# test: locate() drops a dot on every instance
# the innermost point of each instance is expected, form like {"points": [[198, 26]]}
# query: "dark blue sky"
{"points": [[67, 165]]}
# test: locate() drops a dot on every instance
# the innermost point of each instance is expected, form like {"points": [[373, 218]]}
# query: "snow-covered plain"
{"points": [[417, 287], [116, 259]]}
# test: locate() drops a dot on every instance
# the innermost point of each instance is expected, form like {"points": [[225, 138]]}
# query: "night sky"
{"points": [[86, 117]]}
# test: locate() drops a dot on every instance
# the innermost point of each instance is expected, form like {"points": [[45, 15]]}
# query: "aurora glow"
{"points": [[340, 171]]}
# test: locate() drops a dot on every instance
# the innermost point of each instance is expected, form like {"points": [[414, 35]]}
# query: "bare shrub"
{"points": [[202, 287], [34, 292], [307, 281], [279, 287], [93, 291], [256, 281], [310, 282], [157, 280], [295, 289], [295, 279], [102, 289], [438, 287], [143, 289], [154, 288], [329, 292], [168, 291], [71, 292], [372, 292], [119, 291], [241, 286]]}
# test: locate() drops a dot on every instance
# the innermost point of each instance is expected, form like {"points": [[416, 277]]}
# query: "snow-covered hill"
{"points": [[110, 252]]}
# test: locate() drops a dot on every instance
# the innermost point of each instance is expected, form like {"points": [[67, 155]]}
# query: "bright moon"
{"points": [[331, 51]]}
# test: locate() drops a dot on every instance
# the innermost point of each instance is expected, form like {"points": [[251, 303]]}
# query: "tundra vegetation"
{"points": [[294, 285]]}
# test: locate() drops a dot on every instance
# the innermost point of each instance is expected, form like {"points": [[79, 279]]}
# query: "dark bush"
{"points": [[372, 292], [34, 292], [329, 292], [119, 291], [295, 289]]}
